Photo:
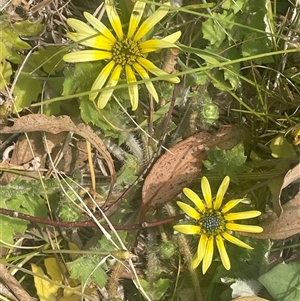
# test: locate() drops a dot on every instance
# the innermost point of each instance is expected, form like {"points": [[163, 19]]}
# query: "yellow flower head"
{"points": [[124, 52], [214, 223]]}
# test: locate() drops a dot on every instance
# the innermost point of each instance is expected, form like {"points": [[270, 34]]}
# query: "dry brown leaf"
{"points": [[171, 60], [291, 176], [284, 226], [288, 223], [55, 125], [25, 152], [179, 167]]}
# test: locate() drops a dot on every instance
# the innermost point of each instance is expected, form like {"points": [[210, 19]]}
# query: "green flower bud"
{"points": [[167, 249]]}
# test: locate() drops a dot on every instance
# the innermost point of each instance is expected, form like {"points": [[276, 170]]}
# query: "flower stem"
{"points": [[187, 255]]}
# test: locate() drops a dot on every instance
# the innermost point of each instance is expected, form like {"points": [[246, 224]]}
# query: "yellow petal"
{"points": [[149, 66], [189, 210], [223, 253], [81, 27], [194, 198], [79, 37], [231, 204], [86, 56], [132, 89], [100, 27], [172, 38], [242, 215], [106, 94], [208, 255], [187, 229], [202, 247], [200, 251], [195, 262], [153, 45], [151, 21], [101, 79], [135, 18], [114, 18], [221, 192], [144, 75], [206, 191], [244, 228], [236, 241], [98, 42]]}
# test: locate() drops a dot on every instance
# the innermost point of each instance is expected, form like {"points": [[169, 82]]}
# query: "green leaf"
{"points": [[257, 42], [212, 32], [80, 77], [128, 172], [48, 59], [160, 288], [86, 269], [283, 282], [235, 5], [231, 72], [211, 57], [245, 264], [90, 114], [281, 148], [227, 162], [10, 44], [6, 72], [22, 197], [214, 29], [29, 29], [26, 91], [111, 120]]}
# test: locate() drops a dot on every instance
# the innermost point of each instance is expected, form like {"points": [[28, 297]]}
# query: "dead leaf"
{"points": [[288, 223], [46, 290], [179, 167], [171, 60], [26, 151], [291, 176], [55, 125], [280, 148], [48, 287]]}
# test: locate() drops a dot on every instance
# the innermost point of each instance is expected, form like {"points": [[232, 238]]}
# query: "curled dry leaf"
{"points": [[171, 60], [27, 154], [291, 176], [288, 223], [55, 125], [181, 165]]}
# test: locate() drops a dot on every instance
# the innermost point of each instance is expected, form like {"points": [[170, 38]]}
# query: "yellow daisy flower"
{"points": [[214, 223], [124, 52]]}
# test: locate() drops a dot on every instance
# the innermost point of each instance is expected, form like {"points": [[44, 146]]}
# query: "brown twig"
{"points": [[14, 286], [84, 224]]}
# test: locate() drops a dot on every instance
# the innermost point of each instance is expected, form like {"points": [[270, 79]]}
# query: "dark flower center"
{"points": [[212, 222], [125, 52]]}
